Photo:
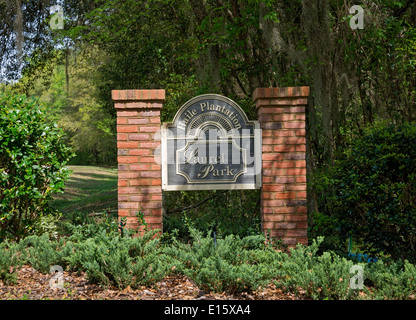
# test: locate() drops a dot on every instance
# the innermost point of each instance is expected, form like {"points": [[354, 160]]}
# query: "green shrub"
{"points": [[217, 274], [394, 280], [113, 260], [105, 262], [371, 191], [47, 223], [233, 264], [325, 276], [32, 160], [42, 253], [84, 227], [10, 261]]}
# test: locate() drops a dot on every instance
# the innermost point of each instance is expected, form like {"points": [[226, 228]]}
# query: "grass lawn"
{"points": [[89, 189]]}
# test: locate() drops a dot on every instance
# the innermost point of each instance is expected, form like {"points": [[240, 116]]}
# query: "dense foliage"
{"points": [[356, 76], [32, 164], [233, 264], [238, 213], [71, 97], [370, 191]]}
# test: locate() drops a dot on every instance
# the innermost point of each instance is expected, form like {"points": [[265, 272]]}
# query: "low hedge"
{"points": [[231, 265]]}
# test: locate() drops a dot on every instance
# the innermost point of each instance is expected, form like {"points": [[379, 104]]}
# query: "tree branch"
{"points": [[195, 205]]}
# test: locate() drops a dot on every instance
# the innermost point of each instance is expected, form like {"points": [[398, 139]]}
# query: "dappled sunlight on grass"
{"points": [[90, 189]]}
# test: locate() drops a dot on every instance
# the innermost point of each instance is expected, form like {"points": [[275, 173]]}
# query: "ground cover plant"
{"points": [[9, 262], [231, 265], [90, 243]]}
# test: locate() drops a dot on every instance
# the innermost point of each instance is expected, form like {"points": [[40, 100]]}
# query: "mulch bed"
{"points": [[34, 285]]}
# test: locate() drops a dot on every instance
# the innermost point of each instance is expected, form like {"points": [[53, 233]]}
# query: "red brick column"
{"points": [[139, 169], [283, 195]]}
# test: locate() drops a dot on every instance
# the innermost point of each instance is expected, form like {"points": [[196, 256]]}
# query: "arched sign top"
{"points": [[211, 102], [211, 144]]}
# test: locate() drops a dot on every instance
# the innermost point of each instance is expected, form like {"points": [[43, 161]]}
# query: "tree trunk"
{"points": [[18, 27], [209, 66]]}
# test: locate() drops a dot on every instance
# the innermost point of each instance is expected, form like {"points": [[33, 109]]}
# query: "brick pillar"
{"points": [[139, 169], [283, 196]]}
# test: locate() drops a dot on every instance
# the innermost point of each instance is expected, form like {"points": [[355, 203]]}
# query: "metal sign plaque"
{"points": [[211, 145]]}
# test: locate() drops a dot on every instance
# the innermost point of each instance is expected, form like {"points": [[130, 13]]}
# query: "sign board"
{"points": [[211, 145]]}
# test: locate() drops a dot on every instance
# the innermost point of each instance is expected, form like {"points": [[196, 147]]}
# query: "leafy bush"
{"points": [[32, 160], [86, 227], [105, 261], [47, 223], [112, 260], [42, 253], [10, 261], [395, 280], [374, 191], [232, 264], [325, 276]]}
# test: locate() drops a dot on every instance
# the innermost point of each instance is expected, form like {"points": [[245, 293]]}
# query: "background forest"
{"points": [[362, 87]]}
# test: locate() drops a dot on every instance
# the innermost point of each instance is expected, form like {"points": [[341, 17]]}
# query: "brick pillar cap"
{"points": [[139, 95], [280, 92]]}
